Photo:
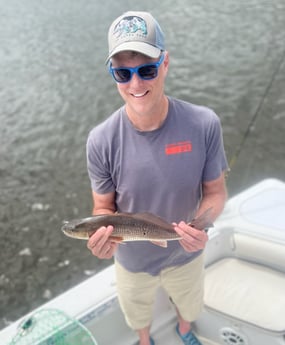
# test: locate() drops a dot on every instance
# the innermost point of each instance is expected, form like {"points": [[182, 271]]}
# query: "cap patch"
{"points": [[130, 25]]}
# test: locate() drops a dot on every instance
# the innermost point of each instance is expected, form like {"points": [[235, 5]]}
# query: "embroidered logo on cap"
{"points": [[130, 25]]}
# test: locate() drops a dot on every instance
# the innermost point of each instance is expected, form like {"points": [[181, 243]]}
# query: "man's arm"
{"points": [[214, 196], [103, 203], [99, 243]]}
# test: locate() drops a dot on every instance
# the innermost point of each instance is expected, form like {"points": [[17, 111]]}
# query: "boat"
{"points": [[244, 288]]}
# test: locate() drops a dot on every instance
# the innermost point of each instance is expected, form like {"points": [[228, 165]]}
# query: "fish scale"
{"points": [[143, 232]]}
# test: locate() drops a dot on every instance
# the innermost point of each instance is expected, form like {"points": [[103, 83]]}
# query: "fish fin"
{"points": [[160, 243], [116, 239], [203, 221], [146, 216]]}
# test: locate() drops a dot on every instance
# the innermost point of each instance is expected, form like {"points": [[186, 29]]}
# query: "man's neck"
{"points": [[151, 121]]}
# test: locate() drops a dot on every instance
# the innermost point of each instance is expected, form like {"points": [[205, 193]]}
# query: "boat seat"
{"points": [[259, 250], [248, 291]]}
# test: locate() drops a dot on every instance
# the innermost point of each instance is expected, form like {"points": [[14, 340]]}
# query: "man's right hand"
{"points": [[100, 244]]}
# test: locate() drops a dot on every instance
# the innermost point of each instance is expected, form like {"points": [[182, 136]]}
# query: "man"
{"points": [[155, 154]]}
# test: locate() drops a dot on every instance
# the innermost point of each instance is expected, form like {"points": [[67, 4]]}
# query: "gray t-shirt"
{"points": [[159, 171]]}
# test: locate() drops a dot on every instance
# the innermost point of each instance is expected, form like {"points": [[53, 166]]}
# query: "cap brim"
{"points": [[140, 47]]}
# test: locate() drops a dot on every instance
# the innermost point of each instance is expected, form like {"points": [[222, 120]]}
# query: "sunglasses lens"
{"points": [[148, 72], [122, 75]]}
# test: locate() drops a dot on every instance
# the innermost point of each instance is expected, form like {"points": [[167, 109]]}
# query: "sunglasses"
{"points": [[146, 72]]}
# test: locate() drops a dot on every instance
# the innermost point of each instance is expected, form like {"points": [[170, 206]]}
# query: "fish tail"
{"points": [[203, 221]]}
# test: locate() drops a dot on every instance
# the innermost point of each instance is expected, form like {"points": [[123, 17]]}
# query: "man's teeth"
{"points": [[139, 94]]}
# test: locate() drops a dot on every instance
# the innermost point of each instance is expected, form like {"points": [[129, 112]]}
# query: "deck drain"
{"points": [[232, 337]]}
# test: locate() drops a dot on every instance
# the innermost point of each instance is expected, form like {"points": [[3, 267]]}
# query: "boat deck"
{"points": [[162, 331], [245, 263]]}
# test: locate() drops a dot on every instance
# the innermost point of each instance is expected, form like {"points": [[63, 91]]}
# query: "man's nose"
{"points": [[136, 80]]}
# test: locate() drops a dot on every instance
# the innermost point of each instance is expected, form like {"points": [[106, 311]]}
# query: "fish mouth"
{"points": [[67, 229], [67, 232]]}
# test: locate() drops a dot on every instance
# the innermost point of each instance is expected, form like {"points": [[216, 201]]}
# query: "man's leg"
{"points": [[185, 286], [136, 294], [144, 336]]}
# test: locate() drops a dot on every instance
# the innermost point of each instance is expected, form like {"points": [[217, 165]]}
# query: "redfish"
{"points": [[132, 227]]}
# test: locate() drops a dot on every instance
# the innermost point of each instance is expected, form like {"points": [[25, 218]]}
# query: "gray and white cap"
{"points": [[135, 31]]}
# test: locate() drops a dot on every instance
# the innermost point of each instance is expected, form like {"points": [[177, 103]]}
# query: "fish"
{"points": [[131, 227]]}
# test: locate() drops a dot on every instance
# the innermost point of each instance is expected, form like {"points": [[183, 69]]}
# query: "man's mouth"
{"points": [[139, 95]]}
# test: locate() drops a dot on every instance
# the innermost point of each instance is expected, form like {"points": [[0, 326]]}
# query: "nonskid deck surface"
{"points": [[113, 330]]}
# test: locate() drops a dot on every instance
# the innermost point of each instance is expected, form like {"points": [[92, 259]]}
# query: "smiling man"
{"points": [[160, 155]]}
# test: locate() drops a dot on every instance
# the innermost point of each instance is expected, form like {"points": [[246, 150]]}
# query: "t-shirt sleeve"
{"points": [[216, 161], [98, 165]]}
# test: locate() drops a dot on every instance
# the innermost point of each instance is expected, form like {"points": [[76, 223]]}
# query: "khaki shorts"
{"points": [[184, 285]]}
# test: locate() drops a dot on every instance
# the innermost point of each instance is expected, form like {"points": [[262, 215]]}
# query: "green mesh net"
{"points": [[52, 327]]}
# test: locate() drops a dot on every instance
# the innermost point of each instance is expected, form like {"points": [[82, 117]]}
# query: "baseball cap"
{"points": [[136, 31]]}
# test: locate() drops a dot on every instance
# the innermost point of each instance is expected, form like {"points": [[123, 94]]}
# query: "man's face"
{"points": [[142, 97]]}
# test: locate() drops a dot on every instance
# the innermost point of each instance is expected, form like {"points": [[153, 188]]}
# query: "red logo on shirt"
{"points": [[176, 148]]}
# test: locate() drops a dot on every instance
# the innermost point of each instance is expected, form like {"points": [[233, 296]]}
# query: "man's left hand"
{"points": [[192, 239]]}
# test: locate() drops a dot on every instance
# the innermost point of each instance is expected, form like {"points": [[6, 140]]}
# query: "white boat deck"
{"points": [[162, 331], [250, 232]]}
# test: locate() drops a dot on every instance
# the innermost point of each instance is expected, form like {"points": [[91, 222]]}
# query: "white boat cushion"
{"points": [[248, 292], [259, 250]]}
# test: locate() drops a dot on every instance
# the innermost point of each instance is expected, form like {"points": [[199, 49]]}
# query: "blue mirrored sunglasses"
{"points": [[145, 72]]}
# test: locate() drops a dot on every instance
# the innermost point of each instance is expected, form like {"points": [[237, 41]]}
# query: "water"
{"points": [[54, 88]]}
